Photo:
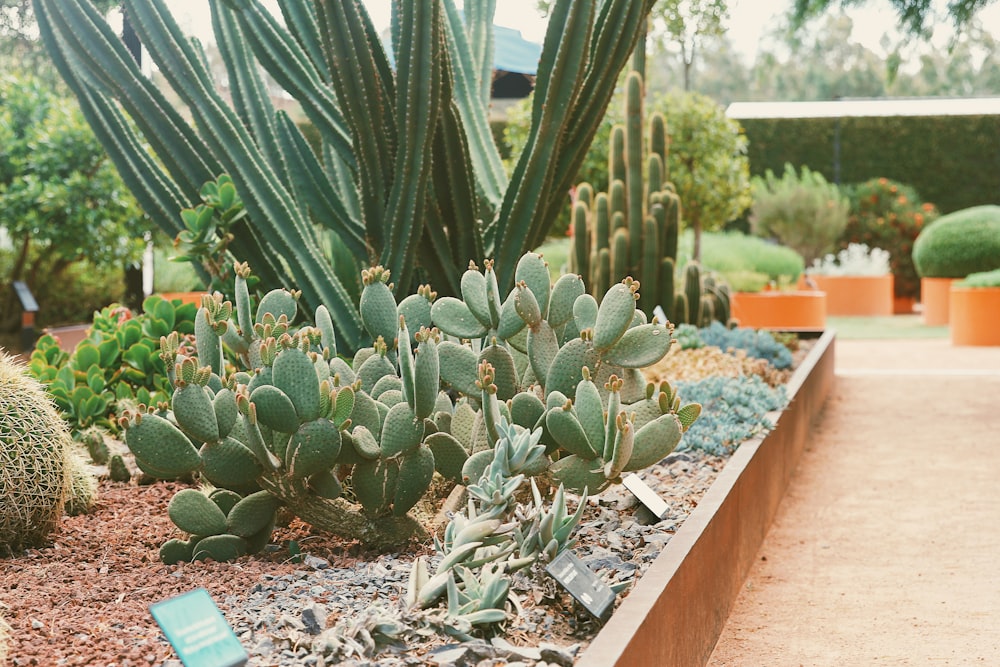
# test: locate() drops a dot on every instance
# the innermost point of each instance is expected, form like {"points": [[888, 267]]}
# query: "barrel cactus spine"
{"points": [[34, 446]]}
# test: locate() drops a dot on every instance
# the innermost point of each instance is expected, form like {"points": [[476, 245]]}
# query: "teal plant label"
{"points": [[196, 629], [581, 582]]}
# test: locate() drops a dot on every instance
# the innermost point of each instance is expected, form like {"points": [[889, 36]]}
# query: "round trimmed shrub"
{"points": [[960, 243], [34, 445], [981, 279]]}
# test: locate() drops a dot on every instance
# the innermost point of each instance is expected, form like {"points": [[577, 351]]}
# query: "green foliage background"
{"points": [[62, 205], [951, 161], [707, 159]]}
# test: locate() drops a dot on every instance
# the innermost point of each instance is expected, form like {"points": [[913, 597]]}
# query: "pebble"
{"points": [[284, 617]]}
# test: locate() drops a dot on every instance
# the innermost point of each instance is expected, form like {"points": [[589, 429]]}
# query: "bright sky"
{"points": [[748, 19]]}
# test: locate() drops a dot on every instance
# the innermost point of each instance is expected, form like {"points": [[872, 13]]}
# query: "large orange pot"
{"points": [[185, 297], [800, 310], [974, 315], [857, 295], [935, 294]]}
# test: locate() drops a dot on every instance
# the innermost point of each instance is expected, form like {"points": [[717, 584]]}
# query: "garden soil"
{"points": [[886, 549]]}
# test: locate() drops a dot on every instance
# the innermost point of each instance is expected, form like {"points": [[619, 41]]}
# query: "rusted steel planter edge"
{"points": [[674, 615]]}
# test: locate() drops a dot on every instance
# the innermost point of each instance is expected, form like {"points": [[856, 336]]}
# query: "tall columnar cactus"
{"points": [[385, 129], [34, 469], [637, 222], [633, 229]]}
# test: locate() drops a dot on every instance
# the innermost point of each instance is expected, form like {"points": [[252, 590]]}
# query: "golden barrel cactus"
{"points": [[34, 445]]}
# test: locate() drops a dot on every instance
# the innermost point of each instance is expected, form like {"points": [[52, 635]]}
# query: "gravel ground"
{"points": [[83, 600]]}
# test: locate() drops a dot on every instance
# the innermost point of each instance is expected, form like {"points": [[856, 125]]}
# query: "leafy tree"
{"points": [[824, 60], [706, 161], [684, 25], [688, 24], [19, 46], [914, 15], [62, 200], [823, 64]]}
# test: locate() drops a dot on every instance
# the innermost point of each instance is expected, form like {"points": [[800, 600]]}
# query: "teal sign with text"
{"points": [[199, 633]]}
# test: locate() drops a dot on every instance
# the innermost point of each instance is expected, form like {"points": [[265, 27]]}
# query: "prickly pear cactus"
{"points": [[271, 415], [272, 418], [34, 473], [537, 351]]}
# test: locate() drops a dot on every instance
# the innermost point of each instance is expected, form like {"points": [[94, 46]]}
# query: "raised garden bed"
{"points": [[675, 613], [266, 598]]}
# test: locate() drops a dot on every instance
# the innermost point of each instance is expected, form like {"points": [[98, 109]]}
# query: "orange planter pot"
{"points": [[935, 294], [857, 295], [903, 305], [802, 310], [185, 297], [974, 315]]}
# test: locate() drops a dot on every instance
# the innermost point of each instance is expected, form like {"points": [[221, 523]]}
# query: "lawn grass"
{"points": [[890, 326]]}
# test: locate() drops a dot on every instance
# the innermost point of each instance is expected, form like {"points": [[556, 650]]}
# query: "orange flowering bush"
{"points": [[889, 215]]}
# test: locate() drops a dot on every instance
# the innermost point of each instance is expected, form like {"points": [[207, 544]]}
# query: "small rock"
{"points": [[448, 656], [314, 619], [36, 624], [520, 651], [557, 655], [292, 622]]}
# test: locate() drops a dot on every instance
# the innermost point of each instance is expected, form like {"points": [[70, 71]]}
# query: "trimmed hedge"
{"points": [[960, 243], [953, 161]]}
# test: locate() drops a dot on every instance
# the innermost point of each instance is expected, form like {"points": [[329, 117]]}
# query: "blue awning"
{"points": [[513, 53]]}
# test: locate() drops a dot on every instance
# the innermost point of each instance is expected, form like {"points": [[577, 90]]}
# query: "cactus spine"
{"points": [[34, 449]]}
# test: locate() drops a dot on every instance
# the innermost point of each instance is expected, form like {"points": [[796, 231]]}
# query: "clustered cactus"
{"points": [[372, 185], [34, 467], [272, 417], [633, 228]]}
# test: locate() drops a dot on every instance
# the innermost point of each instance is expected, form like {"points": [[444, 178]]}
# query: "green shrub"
{"points": [[981, 279], [749, 263], [802, 212], [889, 215], [960, 243], [117, 366]]}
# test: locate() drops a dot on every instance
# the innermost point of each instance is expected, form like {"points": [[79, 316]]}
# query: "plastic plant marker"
{"points": [[199, 633], [581, 582]]}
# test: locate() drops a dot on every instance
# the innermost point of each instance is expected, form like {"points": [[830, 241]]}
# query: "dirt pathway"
{"points": [[886, 549]]}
